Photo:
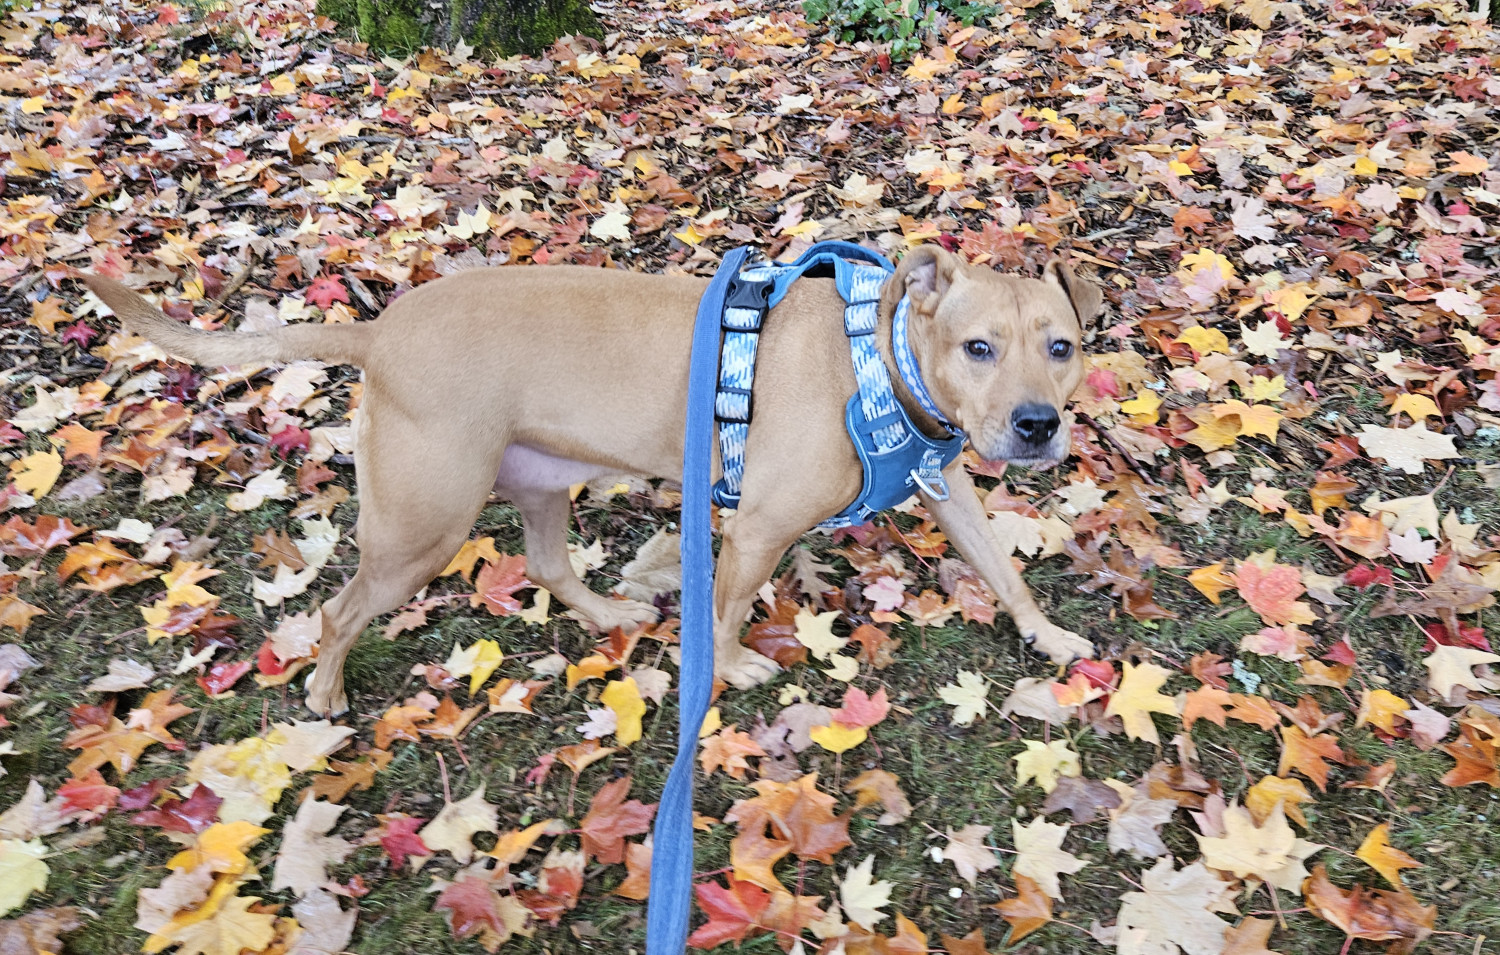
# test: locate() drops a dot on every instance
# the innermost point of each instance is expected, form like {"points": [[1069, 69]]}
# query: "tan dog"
{"points": [[526, 381]]}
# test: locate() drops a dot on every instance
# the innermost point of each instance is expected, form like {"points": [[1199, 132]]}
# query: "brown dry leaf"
{"points": [[878, 787], [1028, 911], [1375, 915]]}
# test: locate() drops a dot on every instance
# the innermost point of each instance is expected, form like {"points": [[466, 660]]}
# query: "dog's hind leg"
{"points": [[545, 513], [419, 496]]}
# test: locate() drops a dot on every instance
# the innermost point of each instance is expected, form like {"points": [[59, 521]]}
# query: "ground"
{"points": [[1291, 209]]}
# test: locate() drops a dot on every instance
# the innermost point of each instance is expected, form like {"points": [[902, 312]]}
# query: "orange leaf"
{"points": [[1027, 912], [1306, 755], [1375, 915], [1211, 581], [1272, 589]]}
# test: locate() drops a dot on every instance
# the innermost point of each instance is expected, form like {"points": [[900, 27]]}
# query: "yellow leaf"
{"points": [[589, 668], [712, 720], [1180, 167], [1420, 407], [1365, 166], [1195, 262], [470, 554], [624, 697], [22, 871], [1269, 851], [221, 847], [1137, 698], [478, 662], [1383, 857], [1253, 419], [35, 473], [1143, 407], [815, 631], [1211, 581], [1380, 708], [1267, 389], [836, 738], [953, 104], [1205, 341], [1045, 762], [182, 584], [1272, 791], [690, 235], [222, 925]]}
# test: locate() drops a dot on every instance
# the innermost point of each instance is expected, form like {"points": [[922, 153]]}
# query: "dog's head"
{"points": [[999, 353]]}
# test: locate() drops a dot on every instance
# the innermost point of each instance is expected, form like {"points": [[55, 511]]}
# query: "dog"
{"points": [[523, 382]]}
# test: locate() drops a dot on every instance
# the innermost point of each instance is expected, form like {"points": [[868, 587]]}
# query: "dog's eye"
{"points": [[1061, 349], [978, 350]]}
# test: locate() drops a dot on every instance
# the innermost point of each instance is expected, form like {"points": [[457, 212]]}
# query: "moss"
{"points": [[505, 27]]}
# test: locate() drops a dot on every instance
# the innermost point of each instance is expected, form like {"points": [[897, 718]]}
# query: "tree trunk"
{"points": [[505, 27]]}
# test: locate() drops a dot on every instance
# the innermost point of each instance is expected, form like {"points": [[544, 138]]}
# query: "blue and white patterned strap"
{"points": [[911, 373], [877, 400], [744, 311]]}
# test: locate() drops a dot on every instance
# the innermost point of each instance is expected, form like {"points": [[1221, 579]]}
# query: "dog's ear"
{"points": [[1087, 299], [925, 274]]}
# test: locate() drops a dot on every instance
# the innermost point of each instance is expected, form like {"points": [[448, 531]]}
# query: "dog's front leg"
{"points": [[963, 520]]}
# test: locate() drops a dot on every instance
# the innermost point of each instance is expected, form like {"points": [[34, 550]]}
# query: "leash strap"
{"points": [[670, 902]]}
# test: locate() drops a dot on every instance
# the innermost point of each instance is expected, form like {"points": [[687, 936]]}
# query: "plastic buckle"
{"points": [[744, 293]]}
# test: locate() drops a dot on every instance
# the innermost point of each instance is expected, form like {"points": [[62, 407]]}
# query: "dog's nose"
{"points": [[1035, 422]]}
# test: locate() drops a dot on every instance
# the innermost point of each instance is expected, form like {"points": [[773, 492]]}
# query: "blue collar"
{"points": [[911, 373]]}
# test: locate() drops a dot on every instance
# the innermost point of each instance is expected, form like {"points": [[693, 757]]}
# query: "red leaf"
{"points": [[142, 796], [191, 815], [1341, 653], [860, 709], [731, 912], [90, 795], [471, 905], [1365, 576], [267, 662], [325, 290], [1438, 634], [610, 819], [496, 583], [221, 676], [399, 838]]}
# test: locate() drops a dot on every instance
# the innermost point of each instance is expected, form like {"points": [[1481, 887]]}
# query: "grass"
{"points": [[953, 776]]}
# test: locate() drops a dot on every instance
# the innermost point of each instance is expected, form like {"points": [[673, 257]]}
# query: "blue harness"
{"points": [[898, 458]]}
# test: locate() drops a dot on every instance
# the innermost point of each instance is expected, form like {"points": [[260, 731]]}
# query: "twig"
{"points": [[443, 766], [1115, 443]]}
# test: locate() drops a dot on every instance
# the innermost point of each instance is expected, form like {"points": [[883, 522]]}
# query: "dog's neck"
{"points": [[906, 373]]}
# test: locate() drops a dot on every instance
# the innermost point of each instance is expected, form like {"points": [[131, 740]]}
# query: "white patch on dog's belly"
{"points": [[526, 468]]}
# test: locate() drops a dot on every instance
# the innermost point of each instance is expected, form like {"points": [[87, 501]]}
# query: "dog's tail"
{"points": [[339, 344]]}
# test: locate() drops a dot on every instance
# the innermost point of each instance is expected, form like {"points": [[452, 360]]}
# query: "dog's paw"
{"points": [[325, 704], [744, 668], [1059, 645], [625, 614]]}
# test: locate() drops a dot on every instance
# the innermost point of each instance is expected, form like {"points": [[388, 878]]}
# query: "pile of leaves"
{"points": [[1278, 524]]}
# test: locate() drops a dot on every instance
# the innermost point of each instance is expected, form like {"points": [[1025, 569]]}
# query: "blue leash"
{"points": [[671, 899]]}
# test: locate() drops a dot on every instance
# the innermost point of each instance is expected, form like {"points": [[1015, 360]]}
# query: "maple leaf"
{"points": [[1138, 697], [1477, 752], [1082, 798], [307, 849], [862, 897], [1449, 667], [876, 786], [732, 912], [1134, 828], [36, 933], [1028, 911], [223, 925], [1045, 762], [1040, 855], [191, 815], [1406, 448], [22, 871], [1272, 589], [496, 583], [454, 827], [1384, 858], [656, 569], [398, 837], [968, 853], [473, 907], [1307, 754], [1375, 915], [113, 743], [728, 750], [623, 697], [1174, 912], [1266, 849], [221, 847], [968, 698], [611, 817]]}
